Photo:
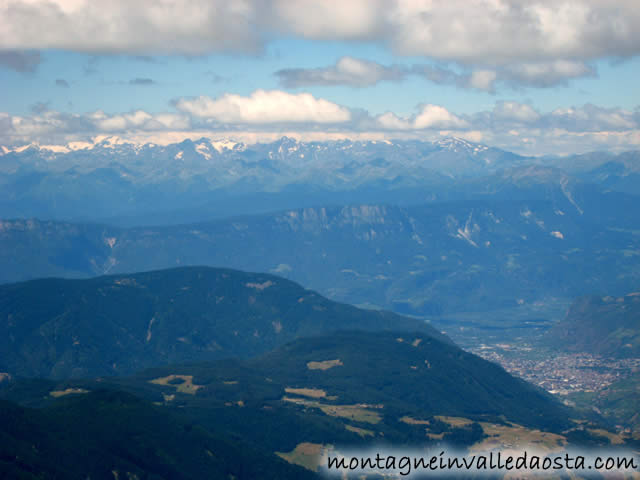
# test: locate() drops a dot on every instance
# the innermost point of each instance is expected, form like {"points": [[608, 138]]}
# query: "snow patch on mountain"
{"points": [[203, 150], [222, 145]]}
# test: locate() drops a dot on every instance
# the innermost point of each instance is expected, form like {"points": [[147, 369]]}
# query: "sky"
{"points": [[532, 76]]}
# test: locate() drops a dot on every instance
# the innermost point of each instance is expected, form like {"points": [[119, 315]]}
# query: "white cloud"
{"points": [[265, 107], [509, 31], [49, 123], [349, 71], [331, 19], [435, 116], [482, 80], [390, 121], [429, 116], [189, 27], [121, 122], [546, 74]]}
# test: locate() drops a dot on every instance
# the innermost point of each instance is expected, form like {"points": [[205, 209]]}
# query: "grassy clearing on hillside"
{"points": [[307, 392], [517, 436], [182, 383], [454, 421], [363, 432], [413, 421], [325, 365], [68, 391], [305, 454], [357, 413], [614, 438]]}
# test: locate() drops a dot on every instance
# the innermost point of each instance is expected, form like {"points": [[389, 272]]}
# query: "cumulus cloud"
{"points": [[435, 116], [349, 71], [391, 121], [332, 20], [23, 62], [507, 31], [470, 32], [265, 107], [429, 116]]}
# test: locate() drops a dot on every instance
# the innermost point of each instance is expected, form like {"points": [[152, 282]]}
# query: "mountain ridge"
{"points": [[121, 180], [420, 260], [122, 323]]}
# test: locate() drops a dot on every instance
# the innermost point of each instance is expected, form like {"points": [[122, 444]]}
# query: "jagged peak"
{"points": [[457, 143]]}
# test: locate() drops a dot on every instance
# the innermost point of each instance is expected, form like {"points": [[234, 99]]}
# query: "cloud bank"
{"points": [[358, 73], [267, 113], [533, 43]]}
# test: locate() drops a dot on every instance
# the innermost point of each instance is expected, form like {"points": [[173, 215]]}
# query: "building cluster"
{"points": [[559, 373]]}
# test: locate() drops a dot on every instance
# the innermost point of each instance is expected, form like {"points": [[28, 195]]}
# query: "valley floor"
{"points": [[559, 373], [603, 385]]}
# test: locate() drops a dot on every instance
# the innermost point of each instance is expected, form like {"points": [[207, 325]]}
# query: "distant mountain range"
{"points": [[121, 324], [608, 326], [133, 184]]}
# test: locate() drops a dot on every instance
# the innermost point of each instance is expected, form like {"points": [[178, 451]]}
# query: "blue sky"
{"points": [[103, 82], [538, 77]]}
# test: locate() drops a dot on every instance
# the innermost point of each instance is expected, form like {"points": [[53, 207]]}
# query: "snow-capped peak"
{"points": [[458, 144], [224, 144]]}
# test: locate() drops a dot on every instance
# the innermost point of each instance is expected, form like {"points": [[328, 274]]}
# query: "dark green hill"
{"points": [[345, 389], [109, 434], [120, 324], [600, 325], [411, 374], [407, 373]]}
